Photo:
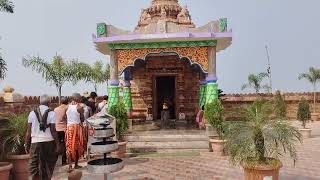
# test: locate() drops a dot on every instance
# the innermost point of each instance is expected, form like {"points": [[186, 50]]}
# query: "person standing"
{"points": [[92, 102], [61, 126], [74, 134], [44, 148], [103, 105]]}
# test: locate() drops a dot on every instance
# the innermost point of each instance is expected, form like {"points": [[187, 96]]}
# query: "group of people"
{"points": [[59, 131]]}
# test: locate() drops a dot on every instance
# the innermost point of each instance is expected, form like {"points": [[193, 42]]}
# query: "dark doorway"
{"points": [[166, 86]]}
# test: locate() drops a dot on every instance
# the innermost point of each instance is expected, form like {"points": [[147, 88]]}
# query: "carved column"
{"points": [[114, 81], [127, 91], [203, 91], [212, 86]]}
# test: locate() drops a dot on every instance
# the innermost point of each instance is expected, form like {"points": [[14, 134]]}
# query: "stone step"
{"points": [[154, 146], [166, 138]]}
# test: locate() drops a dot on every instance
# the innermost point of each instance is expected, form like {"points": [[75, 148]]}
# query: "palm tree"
{"points": [[58, 72], [6, 6], [257, 137], [254, 81], [313, 76], [98, 74], [3, 68]]}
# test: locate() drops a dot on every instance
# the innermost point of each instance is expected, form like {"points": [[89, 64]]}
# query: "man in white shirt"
{"points": [[103, 105], [44, 148]]}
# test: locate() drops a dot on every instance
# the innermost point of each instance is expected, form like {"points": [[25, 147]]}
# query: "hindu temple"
{"points": [[165, 58]]}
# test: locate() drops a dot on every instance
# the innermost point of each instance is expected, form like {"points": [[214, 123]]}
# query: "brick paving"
{"points": [[210, 167]]}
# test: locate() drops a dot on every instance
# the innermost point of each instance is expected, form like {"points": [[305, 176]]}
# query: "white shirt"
{"points": [[73, 116], [102, 106], [36, 134], [86, 112]]}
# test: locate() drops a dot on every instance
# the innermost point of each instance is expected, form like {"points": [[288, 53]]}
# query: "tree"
{"points": [[3, 68], [280, 108], [303, 113], [313, 76], [58, 72], [6, 6], [254, 81], [98, 74]]}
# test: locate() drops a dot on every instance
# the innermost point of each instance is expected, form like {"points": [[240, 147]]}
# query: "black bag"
{"points": [[42, 119]]}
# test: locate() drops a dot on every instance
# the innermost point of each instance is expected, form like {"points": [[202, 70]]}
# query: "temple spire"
{"points": [[166, 11]]}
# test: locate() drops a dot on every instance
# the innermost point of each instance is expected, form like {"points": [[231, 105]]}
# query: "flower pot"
{"points": [[314, 116], [262, 172], [20, 166], [217, 146], [5, 168], [121, 152], [306, 133]]}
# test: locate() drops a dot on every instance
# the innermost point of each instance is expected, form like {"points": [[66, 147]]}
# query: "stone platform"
{"points": [[166, 140]]}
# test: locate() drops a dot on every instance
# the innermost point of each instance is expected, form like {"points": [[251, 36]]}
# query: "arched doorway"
{"points": [[163, 77]]}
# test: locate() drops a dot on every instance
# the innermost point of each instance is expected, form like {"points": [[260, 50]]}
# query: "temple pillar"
{"points": [[212, 86], [114, 81], [127, 90], [202, 91]]}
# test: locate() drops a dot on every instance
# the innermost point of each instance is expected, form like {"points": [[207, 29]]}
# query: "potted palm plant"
{"points": [[257, 141], [120, 113], [214, 116], [5, 167], [303, 115], [313, 76], [13, 144]]}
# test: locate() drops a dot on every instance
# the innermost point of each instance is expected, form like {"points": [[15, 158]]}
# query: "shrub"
{"points": [[280, 108], [258, 139], [120, 113], [214, 114], [303, 113], [13, 133]]}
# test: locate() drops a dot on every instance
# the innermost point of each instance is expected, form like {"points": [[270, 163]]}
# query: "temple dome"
{"points": [[164, 16]]}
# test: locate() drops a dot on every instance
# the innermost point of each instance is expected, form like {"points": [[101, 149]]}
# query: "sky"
{"points": [[47, 27]]}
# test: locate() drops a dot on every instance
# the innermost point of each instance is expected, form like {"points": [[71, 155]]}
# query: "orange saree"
{"points": [[74, 141]]}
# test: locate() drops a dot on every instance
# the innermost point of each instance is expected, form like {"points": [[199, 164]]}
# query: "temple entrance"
{"points": [[165, 92]]}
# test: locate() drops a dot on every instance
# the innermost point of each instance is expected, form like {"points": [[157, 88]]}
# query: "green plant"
{"points": [[280, 108], [3, 68], [98, 74], [313, 76], [6, 6], [13, 133], [258, 139], [58, 72], [214, 114], [254, 81], [303, 113], [120, 113]]}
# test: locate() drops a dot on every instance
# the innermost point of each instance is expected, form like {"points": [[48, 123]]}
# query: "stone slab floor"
{"points": [[206, 166]]}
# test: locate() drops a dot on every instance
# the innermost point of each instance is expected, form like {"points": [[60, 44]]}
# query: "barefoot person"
{"points": [[200, 118], [44, 141], [61, 126], [74, 134]]}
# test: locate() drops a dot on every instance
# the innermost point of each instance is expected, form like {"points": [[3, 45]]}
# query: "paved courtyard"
{"points": [[206, 166]]}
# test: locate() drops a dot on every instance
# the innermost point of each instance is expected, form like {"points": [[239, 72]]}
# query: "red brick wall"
{"points": [[292, 99], [188, 98]]}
